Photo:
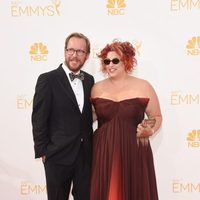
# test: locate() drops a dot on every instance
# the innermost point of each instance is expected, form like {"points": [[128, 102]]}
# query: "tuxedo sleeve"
{"points": [[40, 115]]}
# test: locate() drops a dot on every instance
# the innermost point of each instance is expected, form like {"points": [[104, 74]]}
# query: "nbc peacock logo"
{"points": [[193, 46], [116, 7], [38, 52], [193, 138]]}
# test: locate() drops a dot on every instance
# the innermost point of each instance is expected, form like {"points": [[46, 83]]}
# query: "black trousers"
{"points": [[60, 178]]}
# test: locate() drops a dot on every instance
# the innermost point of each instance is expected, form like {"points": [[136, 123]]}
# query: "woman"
{"points": [[123, 167]]}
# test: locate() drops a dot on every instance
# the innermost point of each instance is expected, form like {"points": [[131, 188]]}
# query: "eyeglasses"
{"points": [[107, 61], [79, 52]]}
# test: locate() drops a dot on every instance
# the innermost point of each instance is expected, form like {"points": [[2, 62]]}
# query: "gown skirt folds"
{"points": [[122, 167]]}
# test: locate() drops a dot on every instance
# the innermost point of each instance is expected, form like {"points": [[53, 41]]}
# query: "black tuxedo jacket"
{"points": [[59, 128]]}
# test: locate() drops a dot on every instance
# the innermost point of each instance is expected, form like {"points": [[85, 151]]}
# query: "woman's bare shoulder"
{"points": [[142, 85], [140, 81], [98, 88], [100, 84]]}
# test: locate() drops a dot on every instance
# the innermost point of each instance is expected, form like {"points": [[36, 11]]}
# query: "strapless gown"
{"points": [[122, 168]]}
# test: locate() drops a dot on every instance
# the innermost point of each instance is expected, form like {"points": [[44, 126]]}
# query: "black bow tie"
{"points": [[79, 76]]}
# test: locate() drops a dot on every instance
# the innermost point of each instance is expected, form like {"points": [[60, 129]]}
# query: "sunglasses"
{"points": [[107, 61]]}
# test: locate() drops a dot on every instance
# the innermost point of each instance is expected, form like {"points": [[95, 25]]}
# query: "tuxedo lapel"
{"points": [[64, 81], [85, 90]]}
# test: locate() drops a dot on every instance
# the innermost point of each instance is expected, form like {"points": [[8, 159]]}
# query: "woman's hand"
{"points": [[145, 130]]}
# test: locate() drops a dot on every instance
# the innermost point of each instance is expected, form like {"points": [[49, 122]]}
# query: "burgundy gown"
{"points": [[122, 168]]}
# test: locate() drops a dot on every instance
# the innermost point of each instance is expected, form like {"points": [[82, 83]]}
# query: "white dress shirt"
{"points": [[77, 87]]}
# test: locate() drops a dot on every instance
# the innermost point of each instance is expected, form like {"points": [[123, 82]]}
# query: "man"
{"points": [[62, 123]]}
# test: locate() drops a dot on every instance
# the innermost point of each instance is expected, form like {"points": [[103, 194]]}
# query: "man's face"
{"points": [[76, 54]]}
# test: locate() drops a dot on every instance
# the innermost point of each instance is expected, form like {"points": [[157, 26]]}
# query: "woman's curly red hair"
{"points": [[125, 50]]}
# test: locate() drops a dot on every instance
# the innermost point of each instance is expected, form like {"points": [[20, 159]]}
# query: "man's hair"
{"points": [[78, 35]]}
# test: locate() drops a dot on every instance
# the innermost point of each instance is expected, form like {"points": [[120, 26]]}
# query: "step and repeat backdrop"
{"points": [[166, 35]]}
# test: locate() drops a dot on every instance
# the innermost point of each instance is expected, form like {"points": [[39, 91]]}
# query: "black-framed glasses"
{"points": [[79, 52], [107, 61]]}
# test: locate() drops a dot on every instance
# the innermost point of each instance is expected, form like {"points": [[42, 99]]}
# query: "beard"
{"points": [[74, 64]]}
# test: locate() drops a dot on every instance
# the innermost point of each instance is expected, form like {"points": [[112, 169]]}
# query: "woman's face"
{"points": [[114, 65]]}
